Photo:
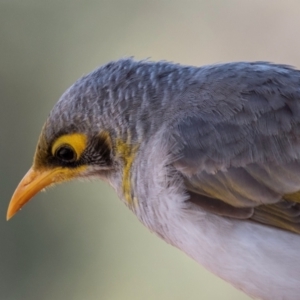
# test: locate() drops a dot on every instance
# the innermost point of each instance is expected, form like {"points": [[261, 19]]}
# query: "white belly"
{"points": [[264, 262]]}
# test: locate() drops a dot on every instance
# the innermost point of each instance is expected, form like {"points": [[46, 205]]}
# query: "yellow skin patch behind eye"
{"points": [[77, 141], [127, 152]]}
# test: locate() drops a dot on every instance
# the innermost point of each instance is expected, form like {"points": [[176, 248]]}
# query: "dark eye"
{"points": [[66, 153]]}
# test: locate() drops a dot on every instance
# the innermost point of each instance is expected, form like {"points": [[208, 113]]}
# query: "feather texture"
{"points": [[216, 170], [242, 147]]}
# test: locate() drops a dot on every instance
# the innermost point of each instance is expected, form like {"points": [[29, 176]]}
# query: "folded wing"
{"points": [[239, 153]]}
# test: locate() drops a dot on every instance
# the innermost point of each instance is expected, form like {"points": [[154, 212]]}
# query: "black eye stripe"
{"points": [[65, 153], [97, 151]]}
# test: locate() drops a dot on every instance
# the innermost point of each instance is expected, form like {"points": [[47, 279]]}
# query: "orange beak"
{"points": [[33, 182]]}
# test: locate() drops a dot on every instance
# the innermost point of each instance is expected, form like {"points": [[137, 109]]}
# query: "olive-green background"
{"points": [[78, 241]]}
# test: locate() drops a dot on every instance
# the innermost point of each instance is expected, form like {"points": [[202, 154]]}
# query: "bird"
{"points": [[207, 158]]}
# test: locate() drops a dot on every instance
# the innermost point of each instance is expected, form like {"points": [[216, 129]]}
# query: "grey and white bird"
{"points": [[207, 157]]}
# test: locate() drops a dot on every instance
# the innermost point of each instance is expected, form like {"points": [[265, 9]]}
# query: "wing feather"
{"points": [[239, 150]]}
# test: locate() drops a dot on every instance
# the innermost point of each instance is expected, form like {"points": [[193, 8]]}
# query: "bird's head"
{"points": [[74, 143], [96, 129]]}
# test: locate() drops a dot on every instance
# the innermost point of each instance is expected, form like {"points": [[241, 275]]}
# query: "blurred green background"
{"points": [[78, 241]]}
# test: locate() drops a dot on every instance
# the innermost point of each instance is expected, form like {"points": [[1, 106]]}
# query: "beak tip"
{"points": [[10, 214], [22, 194]]}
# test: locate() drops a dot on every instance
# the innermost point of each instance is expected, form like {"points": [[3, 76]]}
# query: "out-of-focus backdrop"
{"points": [[78, 241]]}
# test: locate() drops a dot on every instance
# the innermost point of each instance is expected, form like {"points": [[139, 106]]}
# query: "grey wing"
{"points": [[241, 158]]}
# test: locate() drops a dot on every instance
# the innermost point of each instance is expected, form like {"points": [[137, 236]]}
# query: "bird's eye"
{"points": [[66, 153]]}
